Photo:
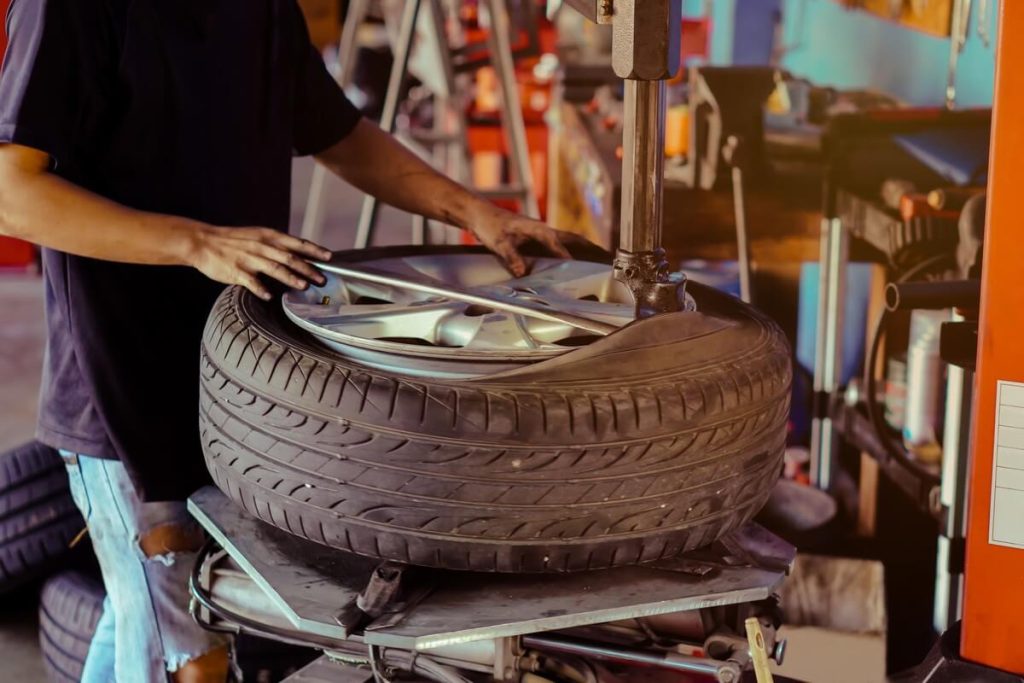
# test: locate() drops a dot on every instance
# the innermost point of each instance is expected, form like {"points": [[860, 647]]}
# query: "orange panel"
{"points": [[486, 139], [993, 631]]}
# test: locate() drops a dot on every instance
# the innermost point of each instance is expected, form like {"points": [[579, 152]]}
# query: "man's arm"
{"points": [[40, 207], [379, 165]]}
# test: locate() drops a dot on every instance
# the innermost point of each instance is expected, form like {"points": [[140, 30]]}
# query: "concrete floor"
{"points": [[21, 355]]}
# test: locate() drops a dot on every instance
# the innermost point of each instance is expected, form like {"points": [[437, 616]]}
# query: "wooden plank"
{"points": [[867, 509]]}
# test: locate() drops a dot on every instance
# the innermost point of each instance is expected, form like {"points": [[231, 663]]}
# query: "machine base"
{"points": [[269, 583], [312, 585], [944, 665]]}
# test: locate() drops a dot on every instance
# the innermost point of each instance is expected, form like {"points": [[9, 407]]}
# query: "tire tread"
{"points": [[70, 607], [38, 518]]}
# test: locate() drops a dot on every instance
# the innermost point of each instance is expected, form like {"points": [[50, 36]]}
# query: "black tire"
{"points": [[558, 467], [38, 518], [69, 610]]}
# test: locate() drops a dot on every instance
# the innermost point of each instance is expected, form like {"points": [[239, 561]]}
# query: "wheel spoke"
{"points": [[405, 267], [580, 289], [417, 320], [585, 289], [557, 275], [502, 331], [616, 314]]}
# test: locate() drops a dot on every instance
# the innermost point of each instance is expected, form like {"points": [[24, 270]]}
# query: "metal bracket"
{"points": [[647, 276], [597, 11], [385, 599]]}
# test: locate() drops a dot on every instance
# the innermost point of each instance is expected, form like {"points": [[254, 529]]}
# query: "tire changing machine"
{"points": [[456, 626], [708, 616]]}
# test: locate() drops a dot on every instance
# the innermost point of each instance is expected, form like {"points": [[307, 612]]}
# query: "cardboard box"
{"points": [[324, 20], [835, 621]]}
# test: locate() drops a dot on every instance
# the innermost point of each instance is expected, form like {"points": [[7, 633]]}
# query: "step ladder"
{"points": [[450, 113]]}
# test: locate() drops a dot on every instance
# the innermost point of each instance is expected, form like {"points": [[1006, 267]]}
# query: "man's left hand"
{"points": [[505, 233], [379, 165]]}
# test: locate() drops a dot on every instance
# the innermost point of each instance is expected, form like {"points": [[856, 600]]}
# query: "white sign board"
{"points": [[1006, 521]]}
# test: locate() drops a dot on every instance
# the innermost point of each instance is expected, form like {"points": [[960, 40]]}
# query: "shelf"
{"points": [[855, 428]]}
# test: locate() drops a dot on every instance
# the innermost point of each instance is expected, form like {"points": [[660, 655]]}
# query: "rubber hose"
{"points": [[933, 295], [894, 451]]}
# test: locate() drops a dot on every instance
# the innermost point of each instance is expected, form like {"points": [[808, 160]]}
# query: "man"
{"points": [[147, 146]]}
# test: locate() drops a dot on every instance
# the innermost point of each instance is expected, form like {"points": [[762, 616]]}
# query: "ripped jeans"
{"points": [[145, 631]]}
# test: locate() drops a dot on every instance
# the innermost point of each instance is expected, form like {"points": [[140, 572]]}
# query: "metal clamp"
{"points": [[385, 594], [647, 276]]}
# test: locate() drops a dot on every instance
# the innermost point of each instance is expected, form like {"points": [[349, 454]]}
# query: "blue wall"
{"points": [[851, 49], [831, 45]]}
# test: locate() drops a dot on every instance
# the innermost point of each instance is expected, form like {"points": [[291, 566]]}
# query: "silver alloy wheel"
{"points": [[406, 331]]}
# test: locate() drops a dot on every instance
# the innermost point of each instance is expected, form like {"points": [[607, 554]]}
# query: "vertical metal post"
{"points": [[643, 165], [829, 346], [957, 39], [403, 49], [742, 237], [956, 441], [348, 49], [451, 97], [419, 230], [499, 41], [449, 111]]}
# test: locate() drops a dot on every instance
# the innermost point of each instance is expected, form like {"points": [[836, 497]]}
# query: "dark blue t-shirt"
{"points": [[187, 107]]}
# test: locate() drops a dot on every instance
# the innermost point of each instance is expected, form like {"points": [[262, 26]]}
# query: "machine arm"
{"points": [[645, 52]]}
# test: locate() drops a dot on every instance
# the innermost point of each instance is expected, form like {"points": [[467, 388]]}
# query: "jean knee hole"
{"points": [[163, 543]]}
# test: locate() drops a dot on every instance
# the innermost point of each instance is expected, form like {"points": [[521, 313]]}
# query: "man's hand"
{"points": [[41, 207], [238, 256], [379, 165], [504, 233]]}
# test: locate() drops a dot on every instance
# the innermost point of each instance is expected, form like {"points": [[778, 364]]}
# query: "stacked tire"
{"points": [[38, 522], [38, 518], [70, 607]]}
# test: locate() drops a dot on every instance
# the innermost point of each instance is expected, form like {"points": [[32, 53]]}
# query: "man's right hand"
{"points": [[41, 207], [238, 256]]}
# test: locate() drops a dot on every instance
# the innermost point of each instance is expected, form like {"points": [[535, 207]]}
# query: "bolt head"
{"points": [[779, 652], [645, 39]]}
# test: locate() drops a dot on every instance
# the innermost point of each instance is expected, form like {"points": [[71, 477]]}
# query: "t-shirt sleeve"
{"points": [[40, 91], [323, 113]]}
